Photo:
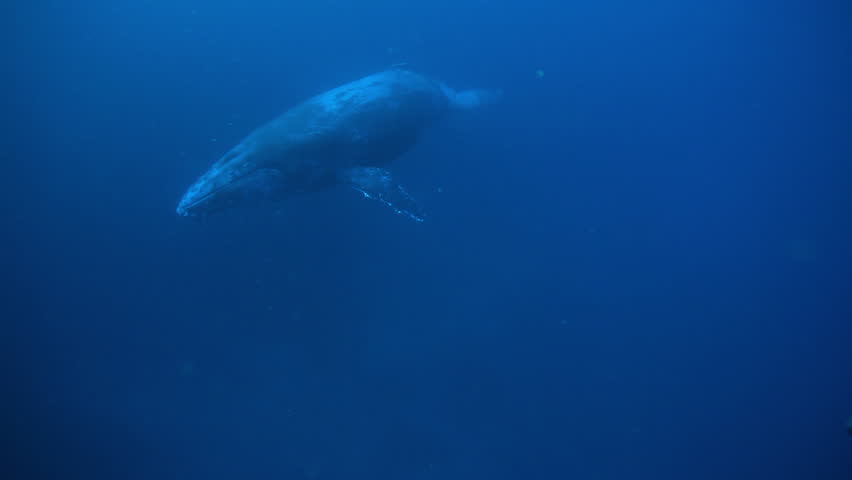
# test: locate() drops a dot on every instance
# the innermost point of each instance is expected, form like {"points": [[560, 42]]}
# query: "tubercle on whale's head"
{"points": [[232, 181]]}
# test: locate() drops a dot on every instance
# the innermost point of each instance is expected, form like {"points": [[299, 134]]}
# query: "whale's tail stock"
{"points": [[473, 98]]}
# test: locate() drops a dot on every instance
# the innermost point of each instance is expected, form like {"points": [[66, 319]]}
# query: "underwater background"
{"points": [[637, 264]]}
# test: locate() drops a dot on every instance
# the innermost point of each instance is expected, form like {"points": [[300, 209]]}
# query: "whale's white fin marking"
{"points": [[378, 184]]}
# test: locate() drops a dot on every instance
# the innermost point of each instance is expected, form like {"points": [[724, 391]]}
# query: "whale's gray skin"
{"points": [[343, 136]]}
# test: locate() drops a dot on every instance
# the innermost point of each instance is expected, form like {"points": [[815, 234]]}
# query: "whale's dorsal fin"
{"points": [[378, 184]]}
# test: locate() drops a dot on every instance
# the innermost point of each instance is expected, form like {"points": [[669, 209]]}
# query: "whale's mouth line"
{"points": [[233, 185], [185, 207]]}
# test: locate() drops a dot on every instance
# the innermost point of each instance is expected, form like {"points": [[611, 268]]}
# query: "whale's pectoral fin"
{"points": [[377, 183]]}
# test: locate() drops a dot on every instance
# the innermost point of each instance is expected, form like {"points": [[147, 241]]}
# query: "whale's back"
{"points": [[368, 121]]}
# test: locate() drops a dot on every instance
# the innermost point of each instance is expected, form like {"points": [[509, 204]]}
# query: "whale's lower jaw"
{"points": [[189, 200], [257, 185], [186, 210]]}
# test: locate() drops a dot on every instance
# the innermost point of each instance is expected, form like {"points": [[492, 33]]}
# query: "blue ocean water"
{"points": [[636, 265]]}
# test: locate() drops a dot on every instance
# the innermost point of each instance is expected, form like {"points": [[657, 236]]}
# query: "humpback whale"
{"points": [[345, 136]]}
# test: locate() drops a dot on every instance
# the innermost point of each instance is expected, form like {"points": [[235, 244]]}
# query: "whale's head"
{"points": [[234, 180]]}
